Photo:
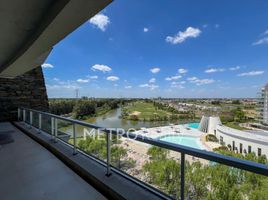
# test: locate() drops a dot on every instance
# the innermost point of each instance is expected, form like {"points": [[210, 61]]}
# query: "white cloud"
{"points": [[261, 41], [205, 81], [182, 71], [192, 78], [172, 78], [112, 78], [47, 65], [92, 77], [265, 32], [152, 80], [89, 78], [82, 80], [175, 84], [155, 70], [252, 73], [151, 86], [128, 87], [144, 85], [180, 37], [199, 82], [60, 87], [234, 68], [101, 21], [145, 29], [213, 70], [103, 68]]}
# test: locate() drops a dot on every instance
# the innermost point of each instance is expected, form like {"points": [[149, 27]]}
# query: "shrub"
{"points": [[211, 138], [221, 148]]}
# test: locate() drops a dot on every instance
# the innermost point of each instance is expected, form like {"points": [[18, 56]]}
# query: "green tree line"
{"points": [[83, 107], [206, 181]]}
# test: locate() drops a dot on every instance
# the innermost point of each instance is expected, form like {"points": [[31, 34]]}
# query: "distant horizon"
{"points": [[209, 98], [178, 53]]}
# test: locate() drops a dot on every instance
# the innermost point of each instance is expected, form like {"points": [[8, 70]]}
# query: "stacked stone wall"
{"points": [[27, 91]]}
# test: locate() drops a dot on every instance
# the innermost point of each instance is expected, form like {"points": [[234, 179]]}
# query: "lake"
{"points": [[112, 119]]}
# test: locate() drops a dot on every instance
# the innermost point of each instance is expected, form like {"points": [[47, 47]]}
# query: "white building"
{"points": [[243, 141], [209, 124], [263, 105], [239, 141]]}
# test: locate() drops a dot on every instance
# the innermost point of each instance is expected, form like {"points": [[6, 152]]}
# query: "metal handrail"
{"points": [[250, 166]]}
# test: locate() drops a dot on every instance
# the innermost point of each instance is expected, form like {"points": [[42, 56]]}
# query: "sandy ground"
{"points": [[136, 113]]}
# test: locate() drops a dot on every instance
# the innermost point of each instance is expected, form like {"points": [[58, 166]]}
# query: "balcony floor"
{"points": [[29, 171]]}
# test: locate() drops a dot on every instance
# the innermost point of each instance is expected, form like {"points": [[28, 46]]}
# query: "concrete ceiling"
{"points": [[30, 29]]}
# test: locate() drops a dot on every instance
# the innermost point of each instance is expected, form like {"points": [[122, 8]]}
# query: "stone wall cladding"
{"points": [[27, 91]]}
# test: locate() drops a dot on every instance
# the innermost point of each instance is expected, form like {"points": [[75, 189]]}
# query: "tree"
{"points": [[236, 102], [117, 154], [239, 114], [165, 174], [157, 153], [84, 108]]}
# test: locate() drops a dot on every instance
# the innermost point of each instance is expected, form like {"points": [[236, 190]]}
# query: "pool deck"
{"points": [[179, 130]]}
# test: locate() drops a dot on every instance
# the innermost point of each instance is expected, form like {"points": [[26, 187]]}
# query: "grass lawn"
{"points": [[145, 110], [235, 126]]}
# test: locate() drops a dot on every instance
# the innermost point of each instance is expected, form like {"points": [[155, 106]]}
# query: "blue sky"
{"points": [[171, 48]]}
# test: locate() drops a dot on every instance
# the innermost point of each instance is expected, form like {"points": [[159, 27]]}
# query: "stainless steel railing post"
{"points": [[182, 175], [56, 129], [24, 115], [108, 148], [31, 119], [18, 114], [74, 135], [52, 128], [40, 123]]}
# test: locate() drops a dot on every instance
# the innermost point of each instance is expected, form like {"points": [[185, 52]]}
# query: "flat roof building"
{"points": [[263, 105]]}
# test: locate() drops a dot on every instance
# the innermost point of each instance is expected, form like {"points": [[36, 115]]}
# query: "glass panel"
{"points": [[65, 131], [157, 167], [92, 141], [89, 140], [27, 116], [35, 119], [46, 124]]}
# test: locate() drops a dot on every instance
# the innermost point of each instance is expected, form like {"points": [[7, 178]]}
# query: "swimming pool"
{"points": [[193, 125], [183, 140]]}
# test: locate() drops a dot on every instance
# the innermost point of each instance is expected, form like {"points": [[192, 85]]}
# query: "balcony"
{"points": [[29, 171], [42, 156], [109, 179]]}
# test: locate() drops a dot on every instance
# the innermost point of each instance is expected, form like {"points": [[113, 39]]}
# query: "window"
{"points": [[221, 140], [259, 151], [241, 148], [249, 149], [233, 145]]}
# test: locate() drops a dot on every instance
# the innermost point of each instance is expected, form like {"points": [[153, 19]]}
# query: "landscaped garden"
{"points": [[152, 111]]}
